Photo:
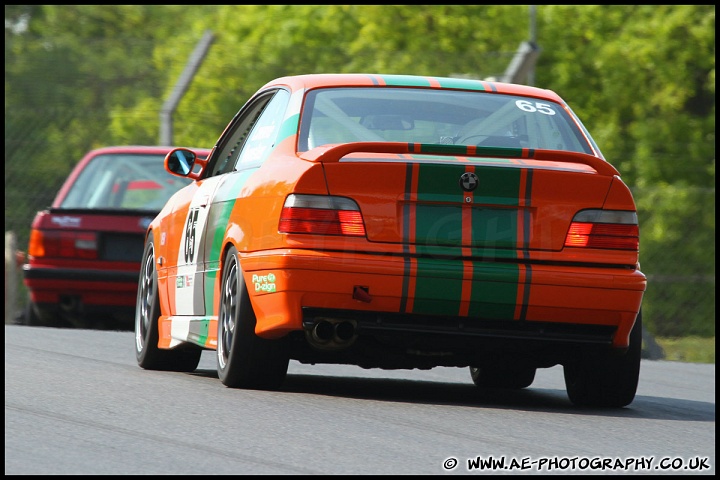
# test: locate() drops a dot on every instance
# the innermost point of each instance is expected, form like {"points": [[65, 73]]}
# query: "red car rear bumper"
{"points": [[88, 286]]}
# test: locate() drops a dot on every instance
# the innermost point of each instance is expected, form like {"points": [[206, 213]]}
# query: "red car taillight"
{"points": [[53, 243], [617, 230], [321, 215]]}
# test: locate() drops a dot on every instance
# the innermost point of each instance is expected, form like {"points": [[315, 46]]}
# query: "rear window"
{"points": [[339, 115], [123, 181]]}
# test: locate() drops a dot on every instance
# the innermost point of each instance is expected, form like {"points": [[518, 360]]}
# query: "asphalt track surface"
{"points": [[77, 403]]}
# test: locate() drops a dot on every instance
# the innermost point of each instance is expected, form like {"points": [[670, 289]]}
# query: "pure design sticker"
{"points": [[264, 283]]}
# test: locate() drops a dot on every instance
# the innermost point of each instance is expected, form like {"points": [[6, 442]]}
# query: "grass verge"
{"points": [[688, 349]]}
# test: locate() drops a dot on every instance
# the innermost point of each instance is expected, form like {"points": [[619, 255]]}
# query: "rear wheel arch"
{"points": [[243, 359]]}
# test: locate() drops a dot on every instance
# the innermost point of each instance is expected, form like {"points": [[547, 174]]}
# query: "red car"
{"points": [[84, 251]]}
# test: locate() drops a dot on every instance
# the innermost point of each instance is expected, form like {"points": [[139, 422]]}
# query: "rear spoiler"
{"points": [[334, 152]]}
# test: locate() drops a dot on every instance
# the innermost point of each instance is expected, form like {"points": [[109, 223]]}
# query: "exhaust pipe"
{"points": [[323, 332], [344, 331], [331, 334]]}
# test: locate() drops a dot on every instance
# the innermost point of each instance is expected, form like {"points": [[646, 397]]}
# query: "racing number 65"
{"points": [[526, 106], [190, 234]]}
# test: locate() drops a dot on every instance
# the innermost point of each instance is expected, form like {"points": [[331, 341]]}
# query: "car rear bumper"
{"points": [[288, 287], [85, 286]]}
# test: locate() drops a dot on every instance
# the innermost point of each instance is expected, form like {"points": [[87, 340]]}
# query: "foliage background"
{"points": [[642, 78]]}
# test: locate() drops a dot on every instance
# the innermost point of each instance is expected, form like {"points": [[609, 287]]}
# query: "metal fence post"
{"points": [[10, 277]]}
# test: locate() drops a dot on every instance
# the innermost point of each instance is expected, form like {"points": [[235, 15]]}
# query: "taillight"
{"points": [[321, 215], [62, 244], [610, 229]]}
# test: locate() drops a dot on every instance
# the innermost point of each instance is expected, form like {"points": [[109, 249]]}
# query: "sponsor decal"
{"points": [[66, 222], [264, 283]]}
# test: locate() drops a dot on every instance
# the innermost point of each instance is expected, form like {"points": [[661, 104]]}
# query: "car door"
{"points": [[243, 146], [187, 281]]}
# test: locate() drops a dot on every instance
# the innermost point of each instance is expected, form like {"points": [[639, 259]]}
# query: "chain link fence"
{"points": [[677, 253]]}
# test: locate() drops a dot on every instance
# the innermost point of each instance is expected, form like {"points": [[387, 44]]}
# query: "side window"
{"points": [[237, 133], [264, 132]]}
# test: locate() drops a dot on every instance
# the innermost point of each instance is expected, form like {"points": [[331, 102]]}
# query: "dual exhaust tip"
{"points": [[330, 334]]}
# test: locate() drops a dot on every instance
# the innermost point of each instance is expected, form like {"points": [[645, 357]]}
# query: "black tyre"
{"points": [[147, 313], [609, 379], [245, 360], [503, 376], [30, 316], [35, 316]]}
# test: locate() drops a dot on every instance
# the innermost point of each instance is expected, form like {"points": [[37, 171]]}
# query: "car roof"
{"points": [[299, 82]]}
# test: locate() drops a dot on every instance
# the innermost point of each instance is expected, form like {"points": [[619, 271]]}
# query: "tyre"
{"points": [[35, 316], [606, 380], [30, 316], [245, 360], [502, 376], [147, 313]]}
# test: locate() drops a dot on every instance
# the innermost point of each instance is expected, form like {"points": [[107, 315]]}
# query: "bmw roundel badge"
{"points": [[469, 181]]}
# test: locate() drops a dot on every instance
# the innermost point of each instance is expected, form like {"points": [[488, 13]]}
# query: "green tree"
{"points": [[67, 68], [643, 79]]}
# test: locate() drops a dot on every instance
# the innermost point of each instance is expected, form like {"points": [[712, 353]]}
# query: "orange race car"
{"points": [[398, 222]]}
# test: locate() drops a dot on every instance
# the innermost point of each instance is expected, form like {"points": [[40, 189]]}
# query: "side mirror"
{"points": [[180, 162]]}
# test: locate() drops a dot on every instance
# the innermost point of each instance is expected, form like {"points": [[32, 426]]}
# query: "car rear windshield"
{"points": [[123, 181], [339, 115]]}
